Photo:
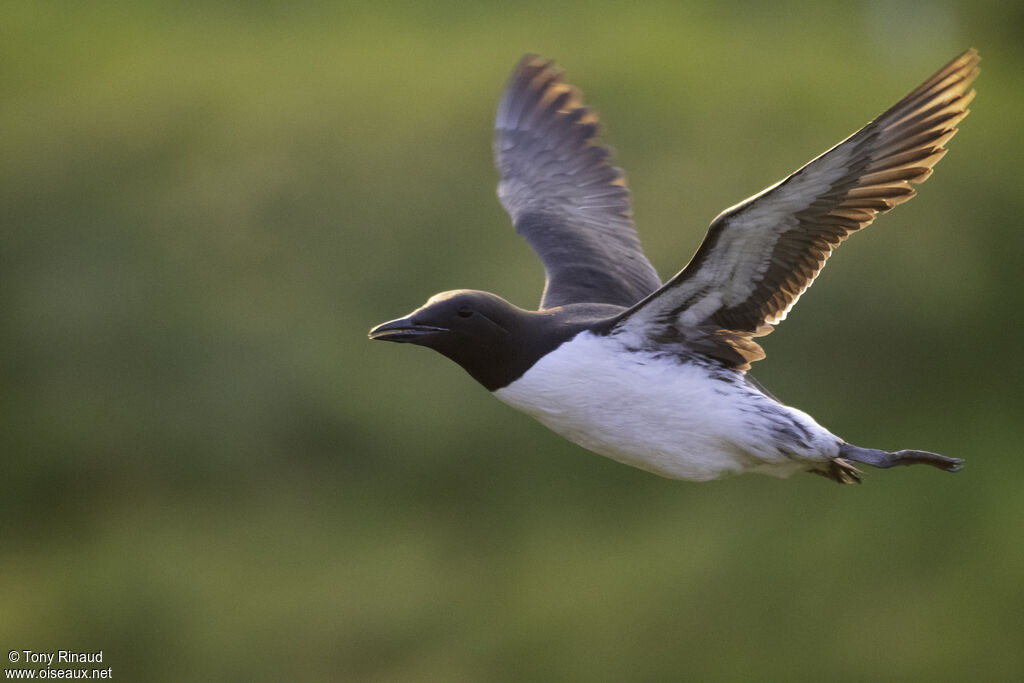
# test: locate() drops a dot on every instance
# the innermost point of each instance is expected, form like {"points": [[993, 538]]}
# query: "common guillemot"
{"points": [[655, 375]]}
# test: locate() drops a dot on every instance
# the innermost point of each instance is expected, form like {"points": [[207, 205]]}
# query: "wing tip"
{"points": [[536, 89], [537, 97]]}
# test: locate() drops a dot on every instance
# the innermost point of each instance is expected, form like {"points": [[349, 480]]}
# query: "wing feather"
{"points": [[759, 256], [562, 193]]}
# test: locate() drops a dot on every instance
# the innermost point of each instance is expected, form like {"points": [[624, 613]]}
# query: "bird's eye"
{"points": [[465, 312]]}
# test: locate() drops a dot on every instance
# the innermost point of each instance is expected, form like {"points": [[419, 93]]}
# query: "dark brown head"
{"points": [[493, 340]]}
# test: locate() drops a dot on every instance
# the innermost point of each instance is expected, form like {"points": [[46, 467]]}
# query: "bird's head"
{"points": [[479, 331]]}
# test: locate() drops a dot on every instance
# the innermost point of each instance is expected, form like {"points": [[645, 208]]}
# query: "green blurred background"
{"points": [[210, 474]]}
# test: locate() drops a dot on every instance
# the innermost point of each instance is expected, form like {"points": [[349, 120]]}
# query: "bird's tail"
{"points": [[884, 459]]}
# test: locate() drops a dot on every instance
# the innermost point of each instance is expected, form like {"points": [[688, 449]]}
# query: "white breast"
{"points": [[665, 416]]}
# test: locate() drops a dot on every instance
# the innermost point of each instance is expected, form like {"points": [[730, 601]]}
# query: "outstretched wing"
{"points": [[759, 256], [564, 197]]}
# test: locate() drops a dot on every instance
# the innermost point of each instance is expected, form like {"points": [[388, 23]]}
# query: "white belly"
{"points": [[664, 416]]}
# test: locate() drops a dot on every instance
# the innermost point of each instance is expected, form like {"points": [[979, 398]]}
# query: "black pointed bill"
{"points": [[403, 330]]}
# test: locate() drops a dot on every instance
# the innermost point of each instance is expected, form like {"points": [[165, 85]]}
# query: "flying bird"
{"points": [[656, 375]]}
